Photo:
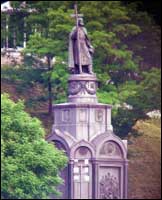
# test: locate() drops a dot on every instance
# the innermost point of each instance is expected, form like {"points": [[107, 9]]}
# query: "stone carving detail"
{"points": [[74, 87], [82, 86], [90, 87], [99, 115], [109, 187], [82, 115], [66, 115], [110, 149], [83, 151]]}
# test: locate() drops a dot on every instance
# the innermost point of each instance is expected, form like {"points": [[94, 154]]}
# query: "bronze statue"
{"points": [[80, 49]]}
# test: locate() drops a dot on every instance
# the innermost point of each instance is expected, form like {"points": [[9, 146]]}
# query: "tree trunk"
{"points": [[14, 39], [24, 36], [7, 27], [49, 87]]}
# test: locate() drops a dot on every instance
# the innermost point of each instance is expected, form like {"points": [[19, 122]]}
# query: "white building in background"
{"points": [[6, 6], [10, 41], [154, 114]]}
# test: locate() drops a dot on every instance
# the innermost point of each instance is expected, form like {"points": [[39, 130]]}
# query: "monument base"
{"points": [[97, 167], [82, 120], [82, 88]]}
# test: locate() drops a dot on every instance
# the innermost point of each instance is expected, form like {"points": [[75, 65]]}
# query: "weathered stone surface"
{"points": [[97, 166], [82, 88], [82, 127], [97, 169], [82, 121]]}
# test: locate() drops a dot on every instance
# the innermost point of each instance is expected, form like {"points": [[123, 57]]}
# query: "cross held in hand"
{"points": [[76, 15]]}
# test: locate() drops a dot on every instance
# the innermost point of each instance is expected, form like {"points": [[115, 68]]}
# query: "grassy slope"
{"points": [[39, 109], [144, 156], [143, 151]]}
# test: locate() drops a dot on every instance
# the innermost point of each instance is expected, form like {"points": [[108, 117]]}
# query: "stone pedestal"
{"points": [[82, 88], [97, 157], [81, 120]]}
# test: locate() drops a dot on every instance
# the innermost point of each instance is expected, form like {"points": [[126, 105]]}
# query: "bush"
{"points": [[30, 165]]}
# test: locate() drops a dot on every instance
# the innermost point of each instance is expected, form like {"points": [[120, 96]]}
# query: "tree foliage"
{"points": [[124, 48], [30, 165], [148, 94], [143, 97], [108, 24]]}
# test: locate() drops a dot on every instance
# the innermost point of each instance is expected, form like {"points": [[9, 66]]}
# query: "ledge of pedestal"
{"points": [[83, 76], [82, 105]]}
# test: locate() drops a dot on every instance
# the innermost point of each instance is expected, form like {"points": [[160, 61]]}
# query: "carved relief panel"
{"points": [[83, 115], [91, 87], [109, 183], [82, 87], [66, 115], [99, 115], [110, 149]]}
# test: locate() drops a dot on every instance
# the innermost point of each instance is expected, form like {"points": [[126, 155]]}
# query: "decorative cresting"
{"points": [[82, 88]]}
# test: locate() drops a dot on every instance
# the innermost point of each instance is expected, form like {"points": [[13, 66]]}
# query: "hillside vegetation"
{"points": [[126, 62], [143, 146], [144, 154]]}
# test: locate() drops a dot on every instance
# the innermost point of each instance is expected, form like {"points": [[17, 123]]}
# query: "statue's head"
{"points": [[80, 22]]}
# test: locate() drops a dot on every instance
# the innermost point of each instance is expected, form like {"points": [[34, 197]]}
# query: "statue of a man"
{"points": [[80, 50]]}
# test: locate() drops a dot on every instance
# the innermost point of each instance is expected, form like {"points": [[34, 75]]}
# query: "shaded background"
{"points": [[152, 7]]}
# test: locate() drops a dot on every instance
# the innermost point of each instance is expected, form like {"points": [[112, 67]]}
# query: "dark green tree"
{"points": [[43, 47], [148, 93], [142, 98], [52, 25], [3, 29], [147, 44], [109, 24]]}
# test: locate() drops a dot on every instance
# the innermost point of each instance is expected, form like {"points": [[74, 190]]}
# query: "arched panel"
{"points": [[85, 145], [109, 145], [64, 137], [83, 152], [59, 145], [110, 149]]}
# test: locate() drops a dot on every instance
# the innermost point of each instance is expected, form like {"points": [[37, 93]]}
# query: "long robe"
{"points": [[86, 49]]}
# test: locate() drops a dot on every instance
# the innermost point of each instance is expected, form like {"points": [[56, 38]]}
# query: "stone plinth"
{"points": [[97, 167], [82, 120], [82, 88]]}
